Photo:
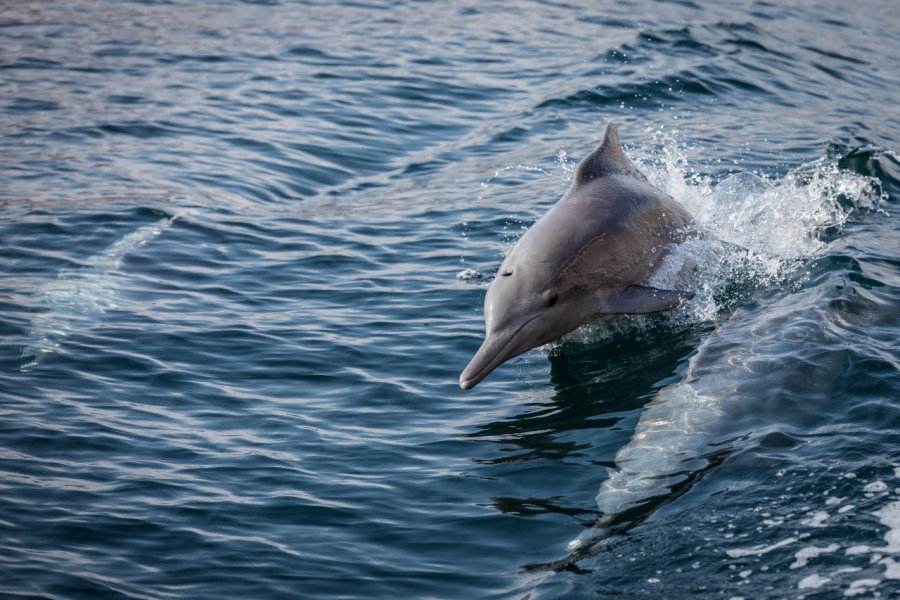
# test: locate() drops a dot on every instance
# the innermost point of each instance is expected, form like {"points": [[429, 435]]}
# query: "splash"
{"points": [[783, 217], [77, 296], [469, 274], [758, 232]]}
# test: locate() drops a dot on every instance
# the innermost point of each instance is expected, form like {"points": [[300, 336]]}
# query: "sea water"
{"points": [[243, 252]]}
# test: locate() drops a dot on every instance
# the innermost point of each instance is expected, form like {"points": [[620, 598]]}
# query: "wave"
{"points": [[748, 272]]}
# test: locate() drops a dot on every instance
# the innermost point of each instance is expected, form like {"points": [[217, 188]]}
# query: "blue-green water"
{"points": [[243, 250]]}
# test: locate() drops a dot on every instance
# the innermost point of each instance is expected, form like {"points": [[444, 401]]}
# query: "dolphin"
{"points": [[591, 254]]}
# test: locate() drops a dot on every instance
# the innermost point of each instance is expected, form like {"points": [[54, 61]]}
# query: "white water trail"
{"points": [[733, 370], [75, 299]]}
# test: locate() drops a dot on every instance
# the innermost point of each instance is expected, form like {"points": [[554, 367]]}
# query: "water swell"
{"points": [[705, 63]]}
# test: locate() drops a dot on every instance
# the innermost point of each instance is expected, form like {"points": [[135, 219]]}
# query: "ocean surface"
{"points": [[243, 252]]}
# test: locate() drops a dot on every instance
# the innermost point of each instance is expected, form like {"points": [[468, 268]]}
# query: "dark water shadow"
{"points": [[596, 383]]}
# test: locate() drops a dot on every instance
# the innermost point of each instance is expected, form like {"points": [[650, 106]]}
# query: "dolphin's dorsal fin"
{"points": [[607, 158]]}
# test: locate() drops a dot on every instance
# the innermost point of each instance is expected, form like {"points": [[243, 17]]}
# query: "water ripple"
{"points": [[245, 247]]}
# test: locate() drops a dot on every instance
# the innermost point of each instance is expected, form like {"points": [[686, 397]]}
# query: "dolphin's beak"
{"points": [[498, 347], [488, 358]]}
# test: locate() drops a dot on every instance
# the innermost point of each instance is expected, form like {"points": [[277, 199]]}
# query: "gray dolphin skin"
{"points": [[591, 254]]}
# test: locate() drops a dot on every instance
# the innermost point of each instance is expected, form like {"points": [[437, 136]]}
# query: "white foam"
{"points": [[759, 550], [469, 275], [875, 487], [813, 581], [758, 228], [889, 515], [815, 519], [78, 296], [861, 586], [891, 568], [804, 555]]}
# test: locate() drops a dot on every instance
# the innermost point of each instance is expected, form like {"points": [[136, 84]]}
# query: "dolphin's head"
{"points": [[525, 307]]}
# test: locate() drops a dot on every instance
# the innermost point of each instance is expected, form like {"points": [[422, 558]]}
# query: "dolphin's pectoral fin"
{"points": [[640, 299]]}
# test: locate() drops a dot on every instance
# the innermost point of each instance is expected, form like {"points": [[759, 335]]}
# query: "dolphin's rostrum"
{"points": [[592, 253]]}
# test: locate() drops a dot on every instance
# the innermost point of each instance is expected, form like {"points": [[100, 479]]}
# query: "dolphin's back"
{"points": [[612, 224], [638, 224]]}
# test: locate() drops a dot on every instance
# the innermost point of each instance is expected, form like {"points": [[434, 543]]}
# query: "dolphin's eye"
{"points": [[552, 300], [506, 273]]}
